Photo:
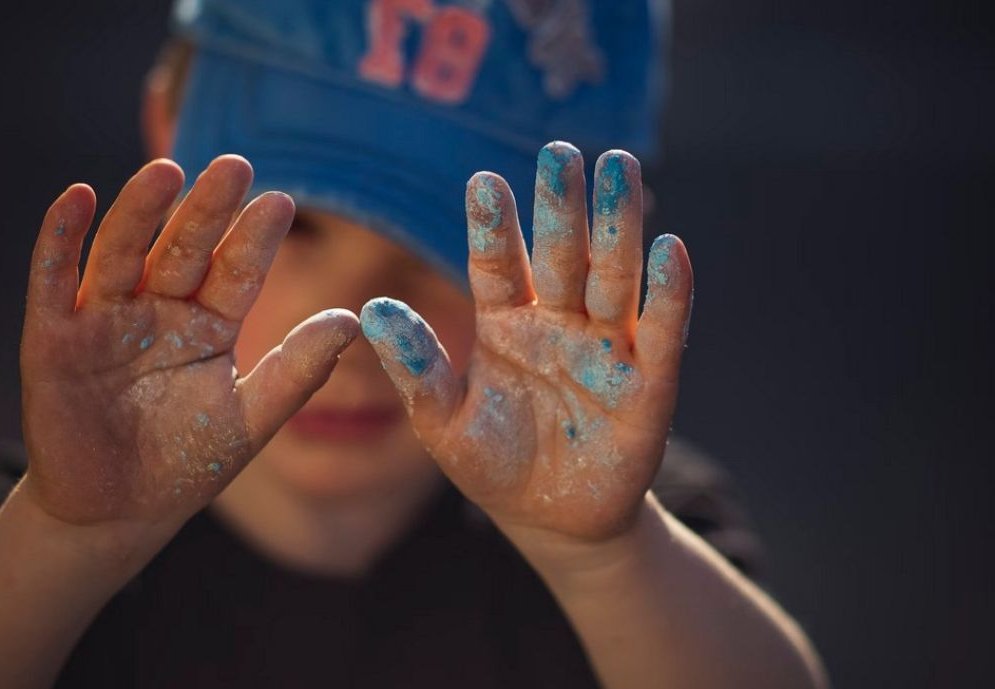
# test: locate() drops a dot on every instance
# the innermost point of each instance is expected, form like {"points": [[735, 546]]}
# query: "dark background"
{"points": [[831, 166]]}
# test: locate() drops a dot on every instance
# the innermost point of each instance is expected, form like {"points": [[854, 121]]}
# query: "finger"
{"points": [[499, 264], [54, 278], [560, 243], [286, 378], [244, 256], [662, 329], [415, 361], [180, 257], [612, 294], [117, 257]]}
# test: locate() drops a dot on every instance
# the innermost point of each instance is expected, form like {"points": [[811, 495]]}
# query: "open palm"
{"points": [[133, 408], [561, 420]]}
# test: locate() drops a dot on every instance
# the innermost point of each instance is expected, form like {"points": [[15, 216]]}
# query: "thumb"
{"points": [[415, 361], [290, 373]]}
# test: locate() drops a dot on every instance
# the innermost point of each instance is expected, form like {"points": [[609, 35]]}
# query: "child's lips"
{"points": [[342, 424]]}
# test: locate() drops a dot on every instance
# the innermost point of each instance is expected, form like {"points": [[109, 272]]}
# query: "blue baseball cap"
{"points": [[381, 110]]}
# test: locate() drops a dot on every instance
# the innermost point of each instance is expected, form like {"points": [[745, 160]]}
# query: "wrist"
{"points": [[564, 561], [119, 548]]}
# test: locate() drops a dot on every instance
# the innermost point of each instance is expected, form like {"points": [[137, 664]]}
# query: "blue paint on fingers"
{"points": [[659, 259], [551, 189], [400, 333], [552, 163], [612, 185], [487, 215]]}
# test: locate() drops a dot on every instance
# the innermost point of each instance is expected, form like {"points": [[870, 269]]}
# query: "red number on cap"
{"points": [[450, 58], [384, 63]]}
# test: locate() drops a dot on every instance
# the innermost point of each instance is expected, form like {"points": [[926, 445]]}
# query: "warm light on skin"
{"points": [[325, 262]]}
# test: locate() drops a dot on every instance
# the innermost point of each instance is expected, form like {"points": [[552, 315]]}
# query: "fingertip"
{"points": [[164, 173], [342, 317], [399, 335], [555, 163], [617, 181], [77, 197], [486, 184], [563, 149], [336, 328], [80, 191], [233, 165], [658, 265], [618, 154], [667, 262], [74, 207], [490, 208], [277, 205], [344, 321]]}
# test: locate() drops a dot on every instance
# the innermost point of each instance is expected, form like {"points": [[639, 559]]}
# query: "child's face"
{"points": [[353, 435]]}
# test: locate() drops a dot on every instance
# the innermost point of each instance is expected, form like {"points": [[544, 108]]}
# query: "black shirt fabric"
{"points": [[452, 604]]}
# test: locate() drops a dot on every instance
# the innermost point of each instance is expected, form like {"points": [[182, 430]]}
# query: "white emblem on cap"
{"points": [[560, 43]]}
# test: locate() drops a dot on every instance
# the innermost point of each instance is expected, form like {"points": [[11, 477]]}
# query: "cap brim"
{"points": [[398, 169]]}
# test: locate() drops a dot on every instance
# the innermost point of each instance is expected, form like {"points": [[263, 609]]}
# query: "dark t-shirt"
{"points": [[452, 604]]}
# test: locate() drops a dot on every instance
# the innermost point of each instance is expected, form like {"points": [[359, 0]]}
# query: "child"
{"points": [[340, 555]]}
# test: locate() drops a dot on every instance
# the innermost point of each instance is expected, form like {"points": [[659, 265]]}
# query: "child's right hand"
{"points": [[133, 410]]}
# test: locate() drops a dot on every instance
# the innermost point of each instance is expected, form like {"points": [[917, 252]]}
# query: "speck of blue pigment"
{"points": [[146, 342], [386, 320], [202, 420], [47, 263], [612, 185], [214, 467], [60, 229], [126, 338], [659, 258], [606, 345], [569, 430], [623, 368], [174, 339]]}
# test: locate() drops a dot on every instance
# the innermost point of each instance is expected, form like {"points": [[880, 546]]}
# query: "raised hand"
{"points": [[561, 420], [133, 409]]}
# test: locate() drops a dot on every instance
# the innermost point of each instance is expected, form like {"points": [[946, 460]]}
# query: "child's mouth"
{"points": [[340, 424]]}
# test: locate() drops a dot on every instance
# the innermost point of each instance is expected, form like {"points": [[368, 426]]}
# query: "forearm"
{"points": [[54, 579], [657, 607]]}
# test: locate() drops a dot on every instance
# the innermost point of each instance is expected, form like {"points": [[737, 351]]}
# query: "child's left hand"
{"points": [[561, 421]]}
